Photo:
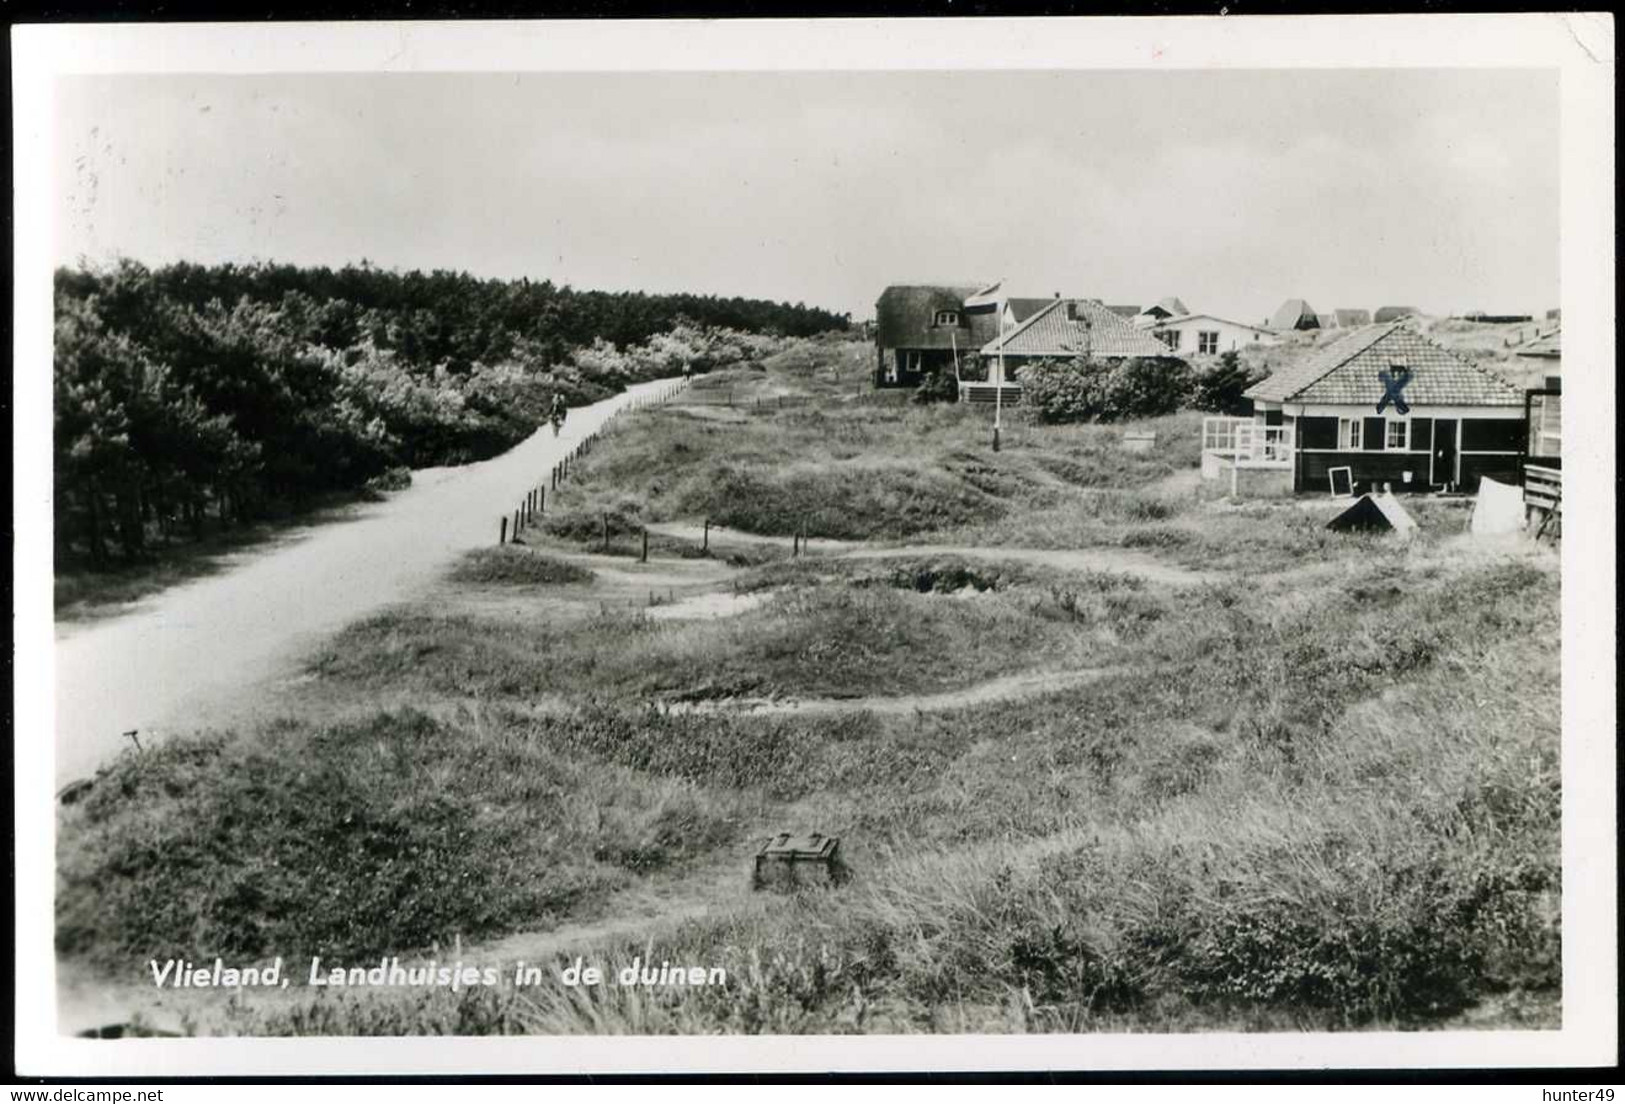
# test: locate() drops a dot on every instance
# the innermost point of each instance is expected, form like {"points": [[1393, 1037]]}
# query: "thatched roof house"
{"points": [[920, 328]]}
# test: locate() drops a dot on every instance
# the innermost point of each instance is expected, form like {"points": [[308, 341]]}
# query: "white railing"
{"points": [[1248, 443]]}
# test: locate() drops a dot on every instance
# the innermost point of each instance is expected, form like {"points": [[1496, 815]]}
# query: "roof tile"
{"points": [[1050, 333], [1346, 373]]}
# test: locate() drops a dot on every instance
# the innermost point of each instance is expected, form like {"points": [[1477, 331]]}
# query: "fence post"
{"points": [[516, 524], [541, 500], [502, 536], [645, 557], [705, 543], [795, 546], [606, 532]]}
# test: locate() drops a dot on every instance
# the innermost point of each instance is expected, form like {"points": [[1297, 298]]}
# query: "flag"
{"points": [[987, 297]]}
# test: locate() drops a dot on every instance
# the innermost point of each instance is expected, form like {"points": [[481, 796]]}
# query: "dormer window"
{"points": [[947, 318]]}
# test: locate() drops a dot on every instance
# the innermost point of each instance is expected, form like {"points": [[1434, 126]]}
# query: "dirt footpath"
{"points": [[178, 657]]}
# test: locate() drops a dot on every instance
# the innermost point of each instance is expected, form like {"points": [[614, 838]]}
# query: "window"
{"points": [[1398, 435], [1207, 341], [1317, 433], [1492, 434], [1348, 433], [947, 318], [1169, 338]]}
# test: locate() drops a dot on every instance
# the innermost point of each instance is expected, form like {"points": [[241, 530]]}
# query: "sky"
{"points": [[1233, 190]]}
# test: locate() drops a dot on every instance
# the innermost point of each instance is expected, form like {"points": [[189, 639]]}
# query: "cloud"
{"points": [[1232, 189]]}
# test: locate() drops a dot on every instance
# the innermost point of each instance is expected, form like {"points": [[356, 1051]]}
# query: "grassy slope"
{"points": [[1312, 806], [845, 468]]}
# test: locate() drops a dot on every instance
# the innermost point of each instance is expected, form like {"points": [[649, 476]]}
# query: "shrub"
{"points": [[1063, 392], [1146, 387], [395, 479], [514, 566], [938, 385], [1218, 386], [1086, 390]]}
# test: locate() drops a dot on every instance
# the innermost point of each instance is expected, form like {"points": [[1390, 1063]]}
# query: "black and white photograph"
{"points": [[1057, 539]]}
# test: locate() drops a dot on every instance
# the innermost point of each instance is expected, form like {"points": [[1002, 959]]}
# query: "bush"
{"points": [[1146, 387], [1071, 392], [510, 565], [1092, 390], [1218, 387], [938, 385], [395, 479]]}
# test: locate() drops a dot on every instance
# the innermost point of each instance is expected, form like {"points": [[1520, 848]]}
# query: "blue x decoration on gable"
{"points": [[1393, 383]]}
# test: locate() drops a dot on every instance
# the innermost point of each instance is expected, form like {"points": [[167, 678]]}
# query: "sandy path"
{"points": [[185, 655], [721, 535], [1121, 560]]}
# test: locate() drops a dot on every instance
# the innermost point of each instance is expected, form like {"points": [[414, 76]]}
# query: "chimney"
{"points": [[1071, 310]]}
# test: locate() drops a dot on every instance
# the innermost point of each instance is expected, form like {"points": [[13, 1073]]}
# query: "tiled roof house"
{"points": [[1068, 328], [1460, 421]]}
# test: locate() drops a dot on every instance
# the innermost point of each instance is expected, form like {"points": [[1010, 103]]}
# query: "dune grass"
{"points": [[398, 830], [515, 565], [1281, 805], [804, 641], [851, 470], [1343, 818]]}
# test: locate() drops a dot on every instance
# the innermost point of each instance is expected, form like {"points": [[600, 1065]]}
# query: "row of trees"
{"points": [[188, 397], [1084, 390]]}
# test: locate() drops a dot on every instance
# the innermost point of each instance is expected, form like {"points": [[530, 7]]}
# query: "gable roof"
{"points": [[1345, 373], [1374, 512], [1392, 314], [1124, 310], [1348, 318], [1099, 332], [1168, 307], [1291, 314], [1166, 322], [1024, 309], [905, 313]]}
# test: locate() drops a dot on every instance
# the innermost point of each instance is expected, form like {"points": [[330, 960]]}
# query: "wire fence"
{"points": [[532, 506]]}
